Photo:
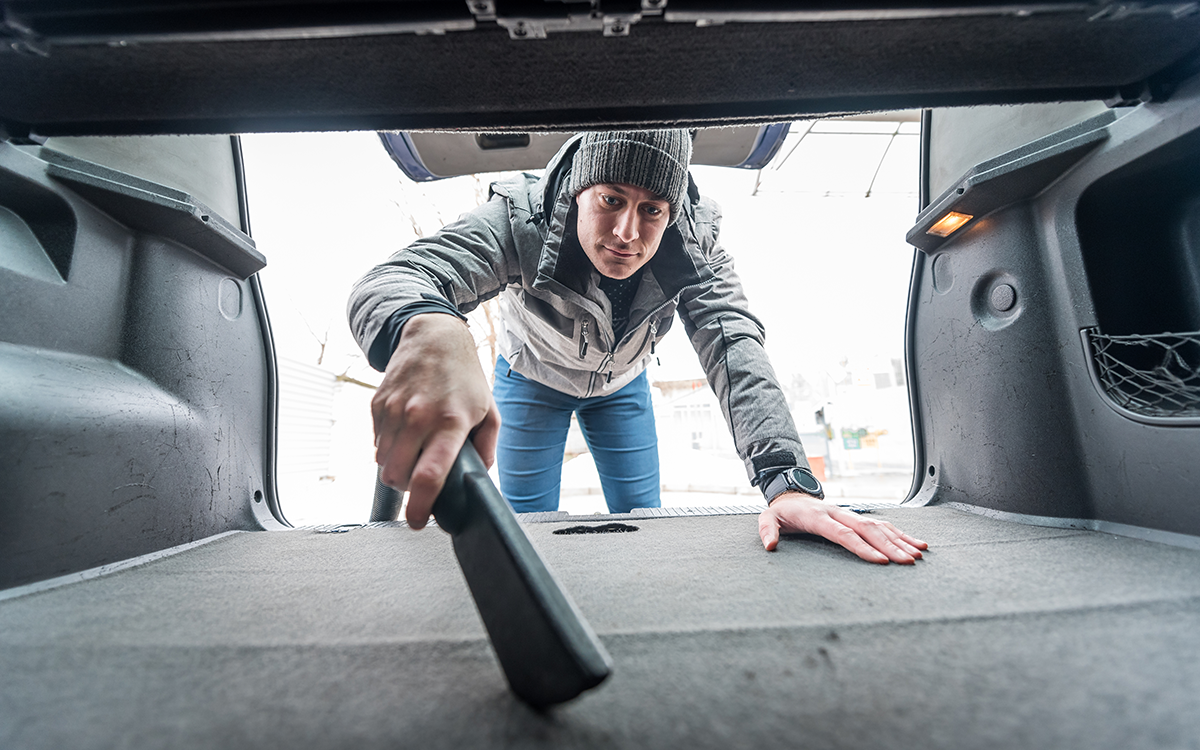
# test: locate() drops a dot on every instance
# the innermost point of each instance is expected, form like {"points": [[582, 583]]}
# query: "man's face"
{"points": [[620, 226]]}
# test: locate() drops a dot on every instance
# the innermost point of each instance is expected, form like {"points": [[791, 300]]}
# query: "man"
{"points": [[593, 260]]}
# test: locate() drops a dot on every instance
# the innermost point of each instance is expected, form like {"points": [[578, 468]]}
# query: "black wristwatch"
{"points": [[793, 480]]}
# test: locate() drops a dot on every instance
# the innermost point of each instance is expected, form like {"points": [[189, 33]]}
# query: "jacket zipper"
{"points": [[599, 372], [653, 317], [608, 358], [653, 332]]}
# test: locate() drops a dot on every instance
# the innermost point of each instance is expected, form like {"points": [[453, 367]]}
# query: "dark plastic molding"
{"points": [[1011, 177], [159, 210]]}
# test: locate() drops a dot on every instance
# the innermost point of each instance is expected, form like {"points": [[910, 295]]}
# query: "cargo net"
{"points": [[1157, 375]]}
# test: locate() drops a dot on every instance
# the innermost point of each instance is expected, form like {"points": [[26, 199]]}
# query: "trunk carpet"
{"points": [[1004, 636]]}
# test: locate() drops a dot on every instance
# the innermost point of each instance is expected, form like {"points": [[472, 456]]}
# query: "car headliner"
{"points": [[192, 67]]}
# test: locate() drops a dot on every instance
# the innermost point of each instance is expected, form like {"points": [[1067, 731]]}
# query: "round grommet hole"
{"points": [[995, 300], [1003, 297]]}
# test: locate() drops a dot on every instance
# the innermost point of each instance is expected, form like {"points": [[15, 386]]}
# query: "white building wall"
{"points": [[306, 404]]}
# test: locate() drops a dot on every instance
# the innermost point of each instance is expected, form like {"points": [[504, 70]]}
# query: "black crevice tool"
{"points": [[547, 650]]}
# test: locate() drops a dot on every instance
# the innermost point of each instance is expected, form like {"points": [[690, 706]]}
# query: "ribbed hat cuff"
{"points": [[625, 159]]}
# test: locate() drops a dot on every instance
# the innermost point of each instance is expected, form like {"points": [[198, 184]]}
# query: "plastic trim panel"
{"points": [[103, 570], [1158, 536]]}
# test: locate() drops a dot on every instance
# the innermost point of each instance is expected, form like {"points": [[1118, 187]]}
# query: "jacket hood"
{"points": [[553, 181]]}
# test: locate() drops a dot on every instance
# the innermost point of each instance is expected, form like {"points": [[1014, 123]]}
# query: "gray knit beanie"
{"points": [[656, 160]]}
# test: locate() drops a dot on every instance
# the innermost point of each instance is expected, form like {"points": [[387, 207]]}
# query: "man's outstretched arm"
{"points": [[872, 540], [434, 396]]}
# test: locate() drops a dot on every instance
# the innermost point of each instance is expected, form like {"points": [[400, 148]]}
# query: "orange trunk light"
{"points": [[949, 224]]}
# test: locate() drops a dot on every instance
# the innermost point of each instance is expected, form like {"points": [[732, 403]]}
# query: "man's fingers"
{"points": [[908, 544], [486, 434], [387, 409], [911, 550], [853, 541], [397, 454], [389, 456], [429, 474], [827, 526], [899, 540], [383, 435], [876, 535], [872, 540], [390, 435], [768, 530], [897, 535], [880, 535], [433, 392], [839, 533]]}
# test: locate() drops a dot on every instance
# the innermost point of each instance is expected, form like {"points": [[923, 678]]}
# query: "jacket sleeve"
{"points": [[729, 340], [464, 264]]}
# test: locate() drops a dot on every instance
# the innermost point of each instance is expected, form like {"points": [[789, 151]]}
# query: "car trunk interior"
{"points": [[369, 638], [152, 594]]}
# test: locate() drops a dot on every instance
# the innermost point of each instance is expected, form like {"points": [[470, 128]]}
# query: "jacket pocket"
{"points": [[543, 310]]}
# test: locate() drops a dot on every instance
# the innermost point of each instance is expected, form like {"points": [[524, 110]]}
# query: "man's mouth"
{"points": [[619, 253]]}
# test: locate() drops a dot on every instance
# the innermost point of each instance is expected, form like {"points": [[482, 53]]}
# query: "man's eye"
{"points": [[654, 210], [610, 200]]}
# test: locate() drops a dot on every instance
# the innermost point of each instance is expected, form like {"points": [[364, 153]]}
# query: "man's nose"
{"points": [[626, 228]]}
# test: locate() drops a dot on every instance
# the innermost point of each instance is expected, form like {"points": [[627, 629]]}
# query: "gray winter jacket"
{"points": [[557, 327]]}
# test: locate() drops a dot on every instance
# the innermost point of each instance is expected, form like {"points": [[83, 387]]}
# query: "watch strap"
{"points": [[785, 481]]}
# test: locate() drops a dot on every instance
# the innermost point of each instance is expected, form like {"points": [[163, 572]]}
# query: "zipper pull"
{"points": [[653, 333], [609, 377], [583, 340]]}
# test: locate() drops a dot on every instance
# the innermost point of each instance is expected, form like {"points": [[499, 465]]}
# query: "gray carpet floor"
{"points": [[1005, 636]]}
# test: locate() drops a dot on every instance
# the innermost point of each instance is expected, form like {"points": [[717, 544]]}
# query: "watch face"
{"points": [[805, 481]]}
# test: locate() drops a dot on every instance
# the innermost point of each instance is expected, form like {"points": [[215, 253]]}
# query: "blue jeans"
{"points": [[534, 419]]}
